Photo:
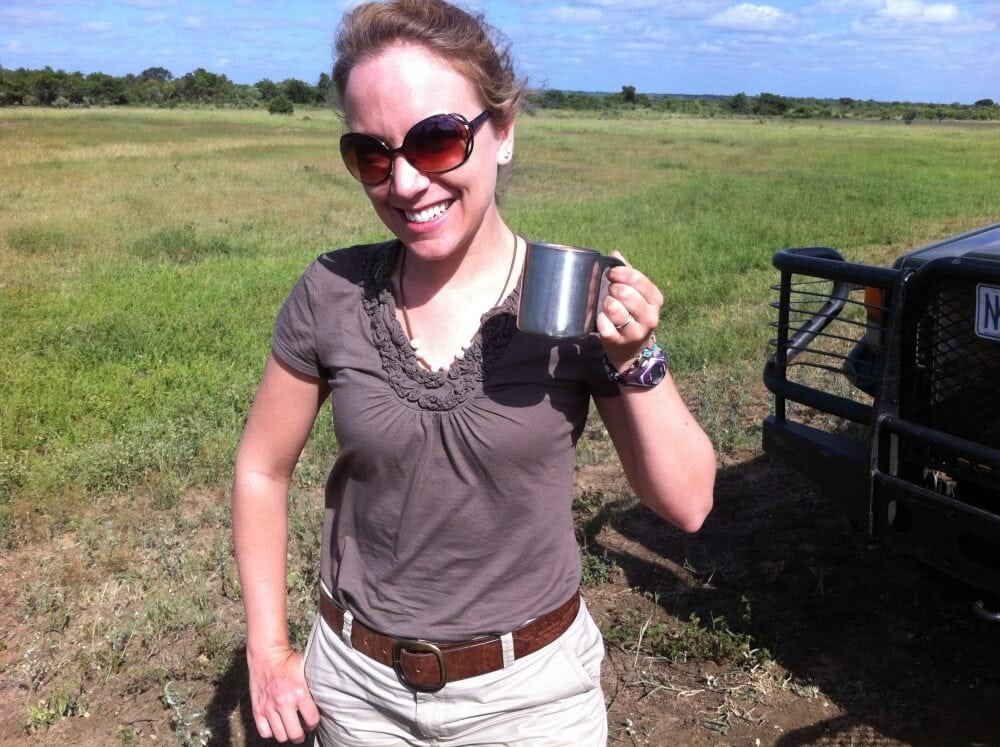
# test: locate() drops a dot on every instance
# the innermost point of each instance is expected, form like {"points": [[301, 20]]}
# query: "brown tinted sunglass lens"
{"points": [[368, 160], [437, 144], [433, 145]]}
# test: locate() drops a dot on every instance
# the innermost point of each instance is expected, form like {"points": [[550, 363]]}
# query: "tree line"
{"points": [[157, 86], [154, 86], [762, 105]]}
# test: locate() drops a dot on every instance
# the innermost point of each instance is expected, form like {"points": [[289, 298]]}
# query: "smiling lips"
{"points": [[427, 214]]}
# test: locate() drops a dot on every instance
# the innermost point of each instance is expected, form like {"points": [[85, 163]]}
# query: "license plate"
{"points": [[988, 311]]}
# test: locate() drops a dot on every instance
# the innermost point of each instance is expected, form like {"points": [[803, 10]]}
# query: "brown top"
{"points": [[448, 508]]}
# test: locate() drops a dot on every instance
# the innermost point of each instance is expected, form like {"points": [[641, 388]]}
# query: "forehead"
{"points": [[403, 83]]}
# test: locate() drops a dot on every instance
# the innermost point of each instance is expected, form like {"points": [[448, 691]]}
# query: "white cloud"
{"points": [[568, 14], [13, 18], [707, 48], [96, 26], [151, 4], [913, 24], [918, 12], [846, 7], [620, 5], [750, 17]]}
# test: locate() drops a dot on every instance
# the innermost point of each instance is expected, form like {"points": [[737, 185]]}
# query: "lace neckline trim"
{"points": [[430, 390]]}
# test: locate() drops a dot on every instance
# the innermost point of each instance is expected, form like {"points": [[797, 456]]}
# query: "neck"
{"points": [[460, 264], [473, 270], [461, 305]]}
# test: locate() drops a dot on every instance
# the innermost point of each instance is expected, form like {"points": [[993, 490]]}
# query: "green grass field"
{"points": [[144, 255]]}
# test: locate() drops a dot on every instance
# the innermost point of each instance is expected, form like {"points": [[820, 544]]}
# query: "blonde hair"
{"points": [[463, 39]]}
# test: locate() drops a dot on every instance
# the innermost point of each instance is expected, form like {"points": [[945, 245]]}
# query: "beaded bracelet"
{"points": [[647, 370]]}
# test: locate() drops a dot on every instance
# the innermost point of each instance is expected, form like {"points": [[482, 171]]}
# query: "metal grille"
{"points": [[843, 323], [822, 321], [954, 388], [956, 374]]}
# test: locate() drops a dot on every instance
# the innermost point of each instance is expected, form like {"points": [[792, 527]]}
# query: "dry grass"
{"points": [[142, 258]]}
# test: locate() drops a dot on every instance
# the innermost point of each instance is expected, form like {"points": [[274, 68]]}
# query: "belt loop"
{"points": [[345, 631], [507, 643]]}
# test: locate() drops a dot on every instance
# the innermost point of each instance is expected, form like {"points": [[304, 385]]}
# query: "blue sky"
{"points": [[891, 50]]}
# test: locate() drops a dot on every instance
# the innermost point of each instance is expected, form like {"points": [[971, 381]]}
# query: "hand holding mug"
{"points": [[629, 314]]}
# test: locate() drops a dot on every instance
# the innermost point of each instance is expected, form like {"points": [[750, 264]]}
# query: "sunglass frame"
{"points": [[349, 140]]}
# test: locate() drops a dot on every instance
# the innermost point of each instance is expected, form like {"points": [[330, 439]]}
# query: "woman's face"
{"points": [[434, 215]]}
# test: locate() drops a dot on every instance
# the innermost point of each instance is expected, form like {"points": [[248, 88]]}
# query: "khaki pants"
{"points": [[551, 697]]}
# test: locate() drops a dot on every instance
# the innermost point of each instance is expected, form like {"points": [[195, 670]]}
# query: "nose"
{"points": [[406, 179]]}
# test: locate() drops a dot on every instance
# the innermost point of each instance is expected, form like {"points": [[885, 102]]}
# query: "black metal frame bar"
{"points": [[828, 264]]}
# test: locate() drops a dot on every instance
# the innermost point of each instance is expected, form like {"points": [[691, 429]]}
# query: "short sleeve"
{"points": [[294, 339]]}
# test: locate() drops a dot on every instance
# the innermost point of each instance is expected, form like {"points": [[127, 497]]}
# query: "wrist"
{"points": [[646, 370], [267, 636], [272, 651]]}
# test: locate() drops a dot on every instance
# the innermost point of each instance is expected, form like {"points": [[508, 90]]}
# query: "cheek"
{"points": [[386, 213], [483, 174], [377, 197]]}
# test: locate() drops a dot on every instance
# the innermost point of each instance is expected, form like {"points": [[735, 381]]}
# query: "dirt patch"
{"points": [[775, 625], [865, 648]]}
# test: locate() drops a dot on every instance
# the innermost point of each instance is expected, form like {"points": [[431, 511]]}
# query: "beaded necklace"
{"points": [[414, 343]]}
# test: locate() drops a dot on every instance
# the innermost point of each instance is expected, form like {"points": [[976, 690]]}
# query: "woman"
{"points": [[450, 611]]}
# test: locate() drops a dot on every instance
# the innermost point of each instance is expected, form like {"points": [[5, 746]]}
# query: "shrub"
{"points": [[280, 105]]}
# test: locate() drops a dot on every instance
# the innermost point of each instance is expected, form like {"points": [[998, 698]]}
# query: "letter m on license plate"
{"points": [[988, 311]]}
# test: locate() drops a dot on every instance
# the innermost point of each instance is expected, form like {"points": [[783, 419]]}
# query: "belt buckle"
{"points": [[420, 647]]}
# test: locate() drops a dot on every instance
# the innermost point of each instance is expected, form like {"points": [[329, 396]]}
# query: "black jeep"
{"points": [[886, 390]]}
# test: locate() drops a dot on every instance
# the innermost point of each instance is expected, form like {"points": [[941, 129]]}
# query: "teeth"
{"points": [[427, 214]]}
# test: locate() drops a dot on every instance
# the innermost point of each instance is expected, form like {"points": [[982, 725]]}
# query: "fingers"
{"points": [[310, 714], [288, 721], [629, 277], [633, 303], [630, 314], [263, 727], [283, 708], [282, 727], [617, 320], [618, 255]]}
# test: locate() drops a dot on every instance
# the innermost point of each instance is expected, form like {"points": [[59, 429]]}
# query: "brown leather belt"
{"points": [[428, 667]]}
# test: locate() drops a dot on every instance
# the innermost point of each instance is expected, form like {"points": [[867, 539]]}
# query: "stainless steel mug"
{"points": [[561, 290]]}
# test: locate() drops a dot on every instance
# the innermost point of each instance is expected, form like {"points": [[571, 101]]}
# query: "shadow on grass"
{"points": [[229, 715], [896, 647]]}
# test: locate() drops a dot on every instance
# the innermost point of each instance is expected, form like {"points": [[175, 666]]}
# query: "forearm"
{"points": [[667, 457], [280, 420], [260, 536]]}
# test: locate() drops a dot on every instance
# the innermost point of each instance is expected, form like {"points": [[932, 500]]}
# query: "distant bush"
{"points": [[761, 105], [157, 86], [280, 105]]}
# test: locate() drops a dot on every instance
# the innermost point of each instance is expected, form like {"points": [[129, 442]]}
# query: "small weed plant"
{"points": [[137, 312]]}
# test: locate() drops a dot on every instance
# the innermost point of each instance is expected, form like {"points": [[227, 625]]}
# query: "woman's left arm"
{"points": [[667, 457]]}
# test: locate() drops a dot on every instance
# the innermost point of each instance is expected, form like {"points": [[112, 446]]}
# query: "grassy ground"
{"points": [[144, 254]]}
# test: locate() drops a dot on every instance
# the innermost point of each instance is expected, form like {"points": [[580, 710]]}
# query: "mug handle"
{"points": [[606, 264]]}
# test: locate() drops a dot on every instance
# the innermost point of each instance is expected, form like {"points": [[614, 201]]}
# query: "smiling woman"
{"points": [[450, 609]]}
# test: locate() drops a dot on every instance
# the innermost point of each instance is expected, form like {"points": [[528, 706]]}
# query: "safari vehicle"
{"points": [[886, 386]]}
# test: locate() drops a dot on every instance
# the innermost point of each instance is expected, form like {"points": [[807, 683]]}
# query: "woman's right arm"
{"points": [[280, 421]]}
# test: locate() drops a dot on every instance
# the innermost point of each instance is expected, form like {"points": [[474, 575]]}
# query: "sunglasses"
{"points": [[434, 146]]}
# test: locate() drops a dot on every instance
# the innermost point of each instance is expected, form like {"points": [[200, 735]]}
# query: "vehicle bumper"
{"points": [[837, 465]]}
